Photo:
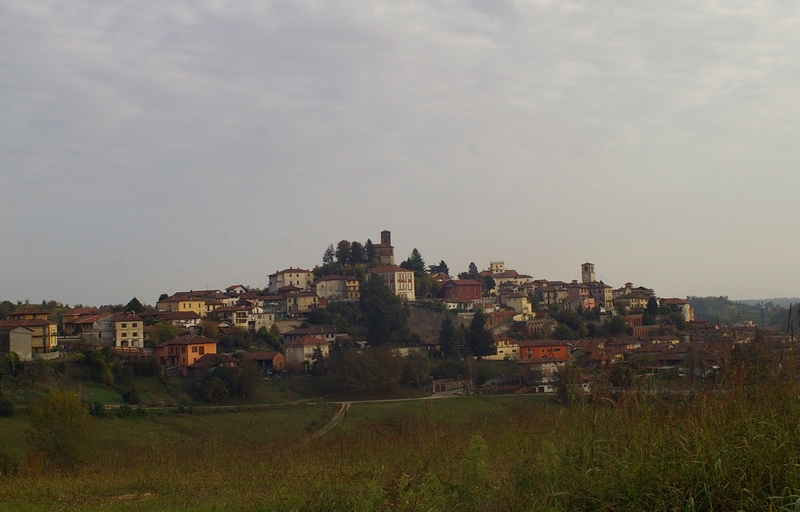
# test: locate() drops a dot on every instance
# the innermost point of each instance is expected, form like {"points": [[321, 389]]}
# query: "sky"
{"points": [[149, 147]]}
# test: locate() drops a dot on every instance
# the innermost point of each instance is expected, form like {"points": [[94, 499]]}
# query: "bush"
{"points": [[60, 426], [97, 409], [6, 407]]}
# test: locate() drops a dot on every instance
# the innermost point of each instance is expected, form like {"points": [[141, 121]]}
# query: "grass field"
{"points": [[731, 449]]}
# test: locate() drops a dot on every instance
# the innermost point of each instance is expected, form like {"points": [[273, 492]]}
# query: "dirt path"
{"points": [[340, 414]]}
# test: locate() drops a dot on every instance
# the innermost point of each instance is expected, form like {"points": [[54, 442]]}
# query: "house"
{"points": [[180, 319], [601, 293], [506, 349], [267, 361], [681, 305], [185, 350], [128, 331], [235, 290], [303, 349], [553, 295], [550, 349], [300, 304], [44, 333], [16, 340], [632, 301], [336, 288], [194, 304], [628, 288], [90, 329], [398, 279], [518, 302], [69, 317], [458, 290], [501, 275], [291, 276], [461, 294], [326, 332], [539, 373], [245, 316]]}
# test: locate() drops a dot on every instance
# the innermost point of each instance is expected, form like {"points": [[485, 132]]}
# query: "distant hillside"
{"points": [[782, 302], [723, 311]]}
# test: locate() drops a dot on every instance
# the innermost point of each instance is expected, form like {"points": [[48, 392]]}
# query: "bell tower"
{"points": [[587, 273]]}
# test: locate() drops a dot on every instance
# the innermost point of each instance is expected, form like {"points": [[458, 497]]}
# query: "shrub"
{"points": [[97, 409], [6, 407], [60, 426]]}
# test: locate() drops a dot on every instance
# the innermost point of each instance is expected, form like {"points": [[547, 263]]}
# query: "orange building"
{"points": [[185, 350], [552, 350]]}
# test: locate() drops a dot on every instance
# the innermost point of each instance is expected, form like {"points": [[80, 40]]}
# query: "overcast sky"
{"points": [[148, 147]]}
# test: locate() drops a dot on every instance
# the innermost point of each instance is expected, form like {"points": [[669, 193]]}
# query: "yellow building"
{"points": [[44, 333], [128, 331]]}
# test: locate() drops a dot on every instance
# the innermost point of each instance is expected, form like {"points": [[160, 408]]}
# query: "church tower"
{"points": [[587, 273], [384, 250]]}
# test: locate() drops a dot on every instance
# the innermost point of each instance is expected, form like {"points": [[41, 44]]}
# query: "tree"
{"points": [[480, 340], [441, 267], [357, 253], [447, 332], [213, 389], [369, 251], [473, 270], [652, 305], [616, 326], [60, 427], [343, 252], [385, 315], [488, 284], [164, 331], [426, 286], [329, 255], [272, 336], [134, 305], [415, 263]]}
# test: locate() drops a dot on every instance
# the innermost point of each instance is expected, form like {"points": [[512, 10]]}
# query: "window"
{"points": [[124, 334], [202, 350], [183, 350], [124, 326], [194, 350], [134, 325]]}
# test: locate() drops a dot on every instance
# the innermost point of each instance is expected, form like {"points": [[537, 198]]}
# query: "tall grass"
{"points": [[731, 450]]}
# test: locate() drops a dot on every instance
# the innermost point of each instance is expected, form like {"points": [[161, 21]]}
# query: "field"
{"points": [[722, 450]]}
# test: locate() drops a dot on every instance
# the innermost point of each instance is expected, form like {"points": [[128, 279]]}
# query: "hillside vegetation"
{"points": [[727, 448]]}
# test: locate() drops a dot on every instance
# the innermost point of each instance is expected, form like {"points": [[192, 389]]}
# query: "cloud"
{"points": [[552, 130]]}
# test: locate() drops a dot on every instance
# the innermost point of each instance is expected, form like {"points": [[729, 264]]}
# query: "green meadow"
{"points": [[736, 449]]}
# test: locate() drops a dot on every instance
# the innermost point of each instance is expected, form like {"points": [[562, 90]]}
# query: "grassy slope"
{"points": [[723, 451]]}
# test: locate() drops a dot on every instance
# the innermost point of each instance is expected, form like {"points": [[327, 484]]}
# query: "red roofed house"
{"points": [[291, 277], [44, 335], [128, 330], [267, 360], [680, 305], [550, 349], [185, 350]]}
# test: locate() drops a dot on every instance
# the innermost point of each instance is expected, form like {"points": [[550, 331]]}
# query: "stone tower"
{"points": [[384, 250], [587, 273]]}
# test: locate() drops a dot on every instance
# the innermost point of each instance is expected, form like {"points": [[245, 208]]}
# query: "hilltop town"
{"points": [[360, 298]]}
